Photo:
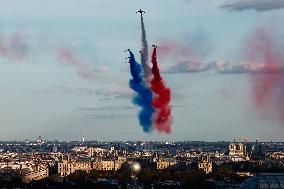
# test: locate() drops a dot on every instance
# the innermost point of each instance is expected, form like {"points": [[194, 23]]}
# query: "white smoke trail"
{"points": [[147, 74]]}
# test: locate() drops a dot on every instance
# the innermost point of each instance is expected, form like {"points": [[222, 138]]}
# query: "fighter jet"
{"points": [[155, 47], [141, 12], [128, 60], [126, 50]]}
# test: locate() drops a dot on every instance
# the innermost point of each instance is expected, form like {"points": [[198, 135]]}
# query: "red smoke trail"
{"points": [[161, 100], [3, 48], [14, 47], [268, 86], [171, 48], [263, 49], [18, 46], [82, 69], [179, 53]]}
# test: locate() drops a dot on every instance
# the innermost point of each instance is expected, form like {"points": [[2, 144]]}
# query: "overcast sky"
{"points": [[63, 73]]}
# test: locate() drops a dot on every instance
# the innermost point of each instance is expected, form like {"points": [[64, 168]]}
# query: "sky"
{"points": [[63, 72]]}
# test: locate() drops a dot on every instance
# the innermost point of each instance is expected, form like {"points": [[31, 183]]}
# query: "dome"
{"points": [[135, 167]]}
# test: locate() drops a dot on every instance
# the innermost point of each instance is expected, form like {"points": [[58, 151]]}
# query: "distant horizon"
{"points": [[86, 141]]}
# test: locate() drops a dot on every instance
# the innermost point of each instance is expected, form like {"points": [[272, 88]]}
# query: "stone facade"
{"points": [[205, 164], [238, 152], [67, 166], [40, 172]]}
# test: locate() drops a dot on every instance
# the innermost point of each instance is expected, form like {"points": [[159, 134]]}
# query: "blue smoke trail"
{"points": [[144, 95]]}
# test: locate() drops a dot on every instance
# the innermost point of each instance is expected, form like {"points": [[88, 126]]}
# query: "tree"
{"points": [[146, 177], [196, 180], [124, 178]]}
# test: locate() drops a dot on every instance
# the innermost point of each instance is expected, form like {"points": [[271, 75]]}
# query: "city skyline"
{"points": [[63, 73]]}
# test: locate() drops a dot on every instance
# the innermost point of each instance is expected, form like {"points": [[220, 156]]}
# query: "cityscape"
{"points": [[141, 94], [138, 164]]}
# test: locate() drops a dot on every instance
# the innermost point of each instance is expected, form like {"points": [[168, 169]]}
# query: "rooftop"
{"points": [[264, 181]]}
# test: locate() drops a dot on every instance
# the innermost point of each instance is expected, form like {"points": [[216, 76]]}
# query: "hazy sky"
{"points": [[63, 74]]}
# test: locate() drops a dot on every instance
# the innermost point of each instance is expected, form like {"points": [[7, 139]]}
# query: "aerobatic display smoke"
{"points": [[161, 100], [144, 53], [151, 93], [83, 70], [14, 47], [143, 96], [267, 86]]}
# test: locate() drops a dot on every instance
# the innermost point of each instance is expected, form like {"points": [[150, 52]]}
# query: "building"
{"points": [[205, 164], [83, 164], [104, 164], [39, 172], [90, 151], [27, 174], [265, 181], [275, 154], [238, 152], [78, 149], [164, 163], [67, 166], [99, 152], [108, 164]]}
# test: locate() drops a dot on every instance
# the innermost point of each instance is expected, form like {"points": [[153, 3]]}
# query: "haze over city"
{"points": [[63, 72]]}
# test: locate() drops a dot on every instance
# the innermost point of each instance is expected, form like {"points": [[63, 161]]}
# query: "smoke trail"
{"points": [[267, 87], [144, 54], [163, 118], [263, 49], [14, 47], [144, 95], [82, 70]]}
